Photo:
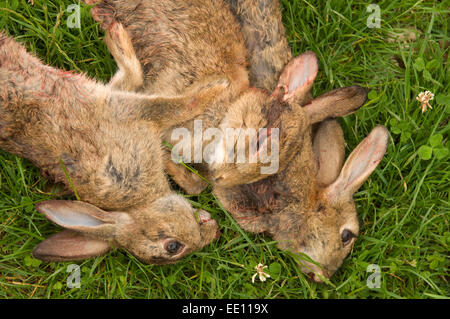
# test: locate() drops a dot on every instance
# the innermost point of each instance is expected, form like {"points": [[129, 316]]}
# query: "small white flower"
{"points": [[424, 98], [260, 271]]}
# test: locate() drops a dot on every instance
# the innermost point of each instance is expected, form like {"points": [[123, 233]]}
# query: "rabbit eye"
{"points": [[346, 237], [173, 247]]}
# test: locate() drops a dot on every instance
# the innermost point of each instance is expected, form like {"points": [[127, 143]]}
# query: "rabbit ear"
{"points": [[68, 245], [81, 217], [359, 165], [336, 103], [329, 151], [298, 77]]}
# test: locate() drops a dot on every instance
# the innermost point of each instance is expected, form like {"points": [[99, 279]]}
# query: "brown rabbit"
{"points": [[110, 149], [303, 213], [321, 220], [287, 204], [178, 43]]}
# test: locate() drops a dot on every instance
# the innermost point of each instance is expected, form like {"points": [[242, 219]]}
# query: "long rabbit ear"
{"points": [[68, 245], [336, 103], [359, 165], [81, 217], [298, 77], [329, 151]]}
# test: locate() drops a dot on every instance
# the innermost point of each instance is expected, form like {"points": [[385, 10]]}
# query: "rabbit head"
{"points": [[289, 112], [161, 233], [320, 238], [331, 226]]}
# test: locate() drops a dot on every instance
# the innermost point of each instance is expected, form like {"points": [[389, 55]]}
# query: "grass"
{"points": [[403, 207]]}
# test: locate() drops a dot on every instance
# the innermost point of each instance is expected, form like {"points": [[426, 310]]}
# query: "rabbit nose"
{"points": [[203, 217], [317, 279]]}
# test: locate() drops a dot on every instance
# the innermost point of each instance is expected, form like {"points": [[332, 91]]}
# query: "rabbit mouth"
{"points": [[314, 273], [206, 222], [315, 277]]}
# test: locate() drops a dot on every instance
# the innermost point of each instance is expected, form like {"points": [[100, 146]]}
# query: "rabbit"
{"points": [[108, 145], [308, 208], [268, 53], [178, 43]]}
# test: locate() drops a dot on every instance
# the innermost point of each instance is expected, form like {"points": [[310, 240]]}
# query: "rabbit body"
{"points": [[112, 154], [43, 120]]}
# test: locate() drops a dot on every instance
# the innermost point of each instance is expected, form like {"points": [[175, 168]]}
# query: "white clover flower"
{"points": [[260, 271], [424, 98]]}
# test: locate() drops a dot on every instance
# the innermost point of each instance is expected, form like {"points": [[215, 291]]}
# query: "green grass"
{"points": [[403, 207]]}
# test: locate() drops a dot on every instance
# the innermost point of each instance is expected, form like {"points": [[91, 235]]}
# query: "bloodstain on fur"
{"points": [[265, 196]]}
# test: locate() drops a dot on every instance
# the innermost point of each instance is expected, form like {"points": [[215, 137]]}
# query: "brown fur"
{"points": [[264, 34], [112, 153]]}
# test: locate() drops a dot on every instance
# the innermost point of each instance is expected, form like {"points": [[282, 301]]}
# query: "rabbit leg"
{"points": [[102, 11], [187, 180], [265, 38], [168, 112], [130, 76]]}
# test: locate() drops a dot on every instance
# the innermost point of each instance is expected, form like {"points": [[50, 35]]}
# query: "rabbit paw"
{"points": [[130, 76]]}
